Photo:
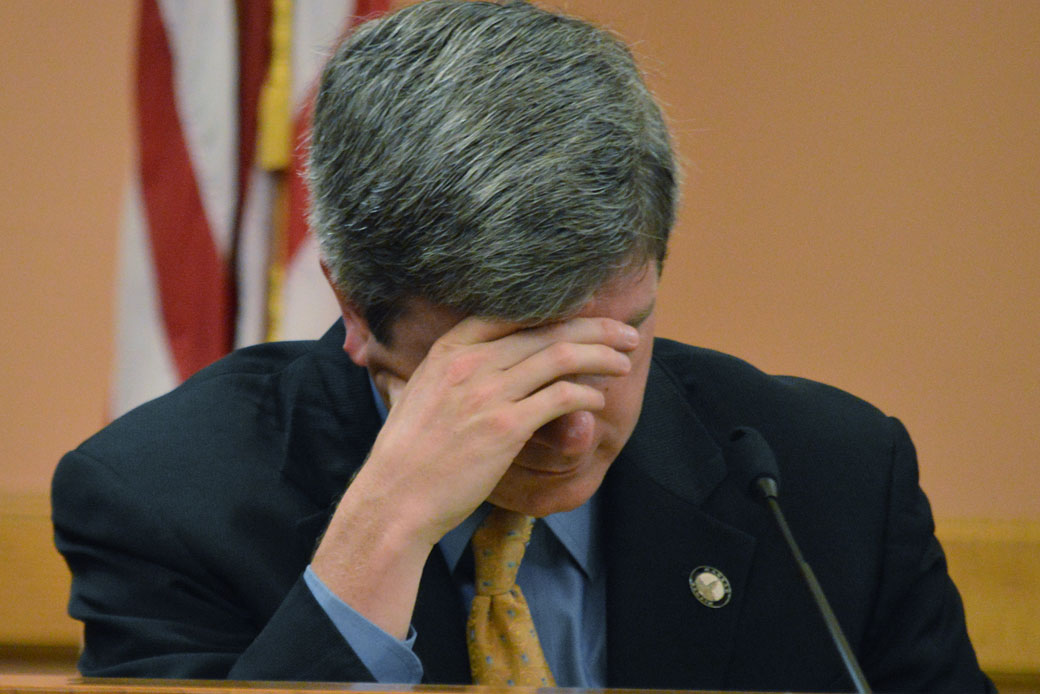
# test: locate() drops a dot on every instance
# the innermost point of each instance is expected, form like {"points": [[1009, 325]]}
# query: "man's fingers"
{"points": [[473, 330], [586, 365], [556, 400], [605, 331], [514, 342], [578, 331]]}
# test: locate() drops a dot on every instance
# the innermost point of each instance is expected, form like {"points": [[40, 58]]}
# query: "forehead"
{"points": [[628, 297], [623, 297]]}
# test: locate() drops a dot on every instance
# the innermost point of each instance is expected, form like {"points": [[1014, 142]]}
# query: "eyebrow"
{"points": [[637, 320]]}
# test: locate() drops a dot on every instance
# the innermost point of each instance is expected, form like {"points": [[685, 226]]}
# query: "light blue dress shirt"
{"points": [[562, 576]]}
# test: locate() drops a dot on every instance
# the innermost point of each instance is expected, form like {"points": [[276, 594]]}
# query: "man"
{"points": [[493, 191]]}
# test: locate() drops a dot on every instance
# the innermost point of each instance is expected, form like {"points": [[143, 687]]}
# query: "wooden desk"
{"points": [[58, 684]]}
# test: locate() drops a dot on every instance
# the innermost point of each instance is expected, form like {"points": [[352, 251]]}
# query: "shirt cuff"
{"points": [[390, 660]]}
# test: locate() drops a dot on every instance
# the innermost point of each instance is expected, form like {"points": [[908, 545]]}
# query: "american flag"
{"points": [[215, 250]]}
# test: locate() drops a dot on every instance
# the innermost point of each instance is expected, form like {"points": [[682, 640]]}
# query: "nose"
{"points": [[570, 435]]}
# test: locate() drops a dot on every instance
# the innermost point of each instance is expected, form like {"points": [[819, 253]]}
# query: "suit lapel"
{"points": [[440, 622], [324, 411], [328, 419], [658, 529]]}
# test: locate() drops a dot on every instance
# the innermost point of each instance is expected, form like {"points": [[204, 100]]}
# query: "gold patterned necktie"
{"points": [[503, 645]]}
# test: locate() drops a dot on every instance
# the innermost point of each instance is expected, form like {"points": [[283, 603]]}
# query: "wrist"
{"points": [[372, 557]]}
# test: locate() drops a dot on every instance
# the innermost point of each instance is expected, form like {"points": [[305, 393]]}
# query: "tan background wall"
{"points": [[862, 204]]}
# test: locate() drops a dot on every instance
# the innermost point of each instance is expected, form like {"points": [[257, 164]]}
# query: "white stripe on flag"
{"points": [[317, 27], [310, 305], [203, 38], [254, 257], [144, 363]]}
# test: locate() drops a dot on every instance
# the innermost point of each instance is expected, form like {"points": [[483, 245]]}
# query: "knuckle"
{"points": [[608, 326], [611, 330], [501, 423], [568, 394], [575, 396], [461, 367], [479, 395], [565, 356], [440, 349]]}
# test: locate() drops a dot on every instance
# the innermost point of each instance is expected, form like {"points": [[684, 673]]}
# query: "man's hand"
{"points": [[480, 394], [471, 405]]}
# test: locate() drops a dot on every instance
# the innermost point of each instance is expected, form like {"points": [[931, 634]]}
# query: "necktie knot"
{"points": [[502, 642], [498, 548]]}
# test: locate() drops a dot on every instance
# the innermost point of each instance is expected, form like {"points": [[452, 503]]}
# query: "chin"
{"points": [[541, 494]]}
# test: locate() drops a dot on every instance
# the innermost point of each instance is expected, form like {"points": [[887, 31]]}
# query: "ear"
{"points": [[359, 339]]}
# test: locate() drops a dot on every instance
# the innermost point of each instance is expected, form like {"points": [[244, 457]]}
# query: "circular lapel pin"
{"points": [[710, 586]]}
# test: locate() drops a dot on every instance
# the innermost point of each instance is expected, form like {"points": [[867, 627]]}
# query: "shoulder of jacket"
{"points": [[732, 392]]}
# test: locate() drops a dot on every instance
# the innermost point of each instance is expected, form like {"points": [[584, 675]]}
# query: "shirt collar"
{"points": [[575, 530], [380, 405]]}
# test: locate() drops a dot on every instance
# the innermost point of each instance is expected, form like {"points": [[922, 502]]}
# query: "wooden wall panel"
{"points": [[34, 582], [996, 565]]}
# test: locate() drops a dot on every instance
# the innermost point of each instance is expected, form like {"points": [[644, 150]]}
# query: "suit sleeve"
{"points": [[917, 639], [151, 608]]}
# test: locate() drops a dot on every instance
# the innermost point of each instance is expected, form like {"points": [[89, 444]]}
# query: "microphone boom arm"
{"points": [[768, 488]]}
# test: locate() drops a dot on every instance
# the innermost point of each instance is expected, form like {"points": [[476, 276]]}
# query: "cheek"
{"points": [[624, 402], [625, 395]]}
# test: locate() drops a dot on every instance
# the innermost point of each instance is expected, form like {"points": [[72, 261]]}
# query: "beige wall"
{"points": [[64, 150], [861, 206]]}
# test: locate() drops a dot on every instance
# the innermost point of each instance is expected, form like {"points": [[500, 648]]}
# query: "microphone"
{"points": [[755, 463]]}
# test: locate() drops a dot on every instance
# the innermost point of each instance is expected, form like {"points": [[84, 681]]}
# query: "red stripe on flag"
{"points": [[254, 52], [365, 10], [195, 286]]}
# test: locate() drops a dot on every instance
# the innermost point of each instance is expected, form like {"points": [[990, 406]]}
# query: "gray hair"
{"points": [[495, 159]]}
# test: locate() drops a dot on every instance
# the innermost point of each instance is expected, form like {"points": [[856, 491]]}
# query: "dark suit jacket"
{"points": [[188, 522]]}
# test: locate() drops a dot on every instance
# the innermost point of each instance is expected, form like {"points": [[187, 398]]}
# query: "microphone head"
{"points": [[754, 462]]}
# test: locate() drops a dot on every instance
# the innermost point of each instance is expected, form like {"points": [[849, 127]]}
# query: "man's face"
{"points": [[563, 464]]}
